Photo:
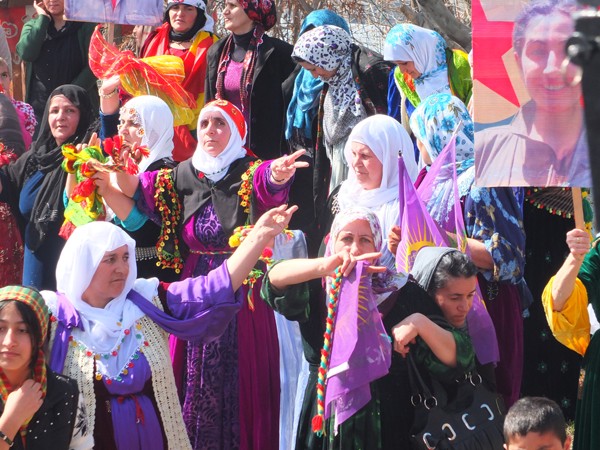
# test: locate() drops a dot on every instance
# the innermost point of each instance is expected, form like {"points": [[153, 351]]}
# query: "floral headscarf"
{"points": [[304, 103], [426, 49], [155, 126], [330, 48], [215, 168], [433, 123], [261, 11], [383, 283]]}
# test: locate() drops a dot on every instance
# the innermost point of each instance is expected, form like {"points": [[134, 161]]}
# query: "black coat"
{"points": [[268, 100]]}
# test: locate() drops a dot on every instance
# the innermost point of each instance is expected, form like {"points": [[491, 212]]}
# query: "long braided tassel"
{"points": [[318, 421]]}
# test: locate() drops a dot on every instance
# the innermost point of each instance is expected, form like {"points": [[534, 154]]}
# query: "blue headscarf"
{"points": [[302, 108]]}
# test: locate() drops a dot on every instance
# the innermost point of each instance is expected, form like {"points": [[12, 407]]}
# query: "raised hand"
{"points": [[394, 236], [284, 168], [578, 242], [275, 220]]}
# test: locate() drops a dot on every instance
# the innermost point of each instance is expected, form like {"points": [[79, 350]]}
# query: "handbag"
{"points": [[472, 420]]}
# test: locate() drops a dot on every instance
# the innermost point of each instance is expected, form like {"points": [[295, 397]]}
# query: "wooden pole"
{"points": [[578, 208]]}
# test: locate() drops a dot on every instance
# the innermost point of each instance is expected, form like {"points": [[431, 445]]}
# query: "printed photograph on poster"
{"points": [[125, 12], [530, 127]]}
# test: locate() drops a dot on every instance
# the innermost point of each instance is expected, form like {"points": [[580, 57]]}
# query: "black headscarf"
{"points": [[48, 206], [189, 34]]}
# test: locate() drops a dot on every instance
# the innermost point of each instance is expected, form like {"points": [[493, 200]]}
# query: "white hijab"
{"points": [[215, 168], [386, 137], [154, 117], [104, 329]]}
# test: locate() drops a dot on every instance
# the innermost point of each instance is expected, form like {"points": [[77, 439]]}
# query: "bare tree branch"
{"points": [[439, 13]]}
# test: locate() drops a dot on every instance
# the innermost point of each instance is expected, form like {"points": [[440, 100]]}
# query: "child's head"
{"points": [[4, 75], [534, 423]]}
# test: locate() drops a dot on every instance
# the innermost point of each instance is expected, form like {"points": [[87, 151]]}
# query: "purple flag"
{"points": [[441, 191], [418, 228], [361, 352]]}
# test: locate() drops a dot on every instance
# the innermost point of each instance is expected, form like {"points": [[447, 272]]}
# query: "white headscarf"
{"points": [[386, 137], [154, 117], [215, 168], [426, 49], [110, 328]]}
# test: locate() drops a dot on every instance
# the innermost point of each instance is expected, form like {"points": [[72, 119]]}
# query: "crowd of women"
{"points": [[151, 324]]}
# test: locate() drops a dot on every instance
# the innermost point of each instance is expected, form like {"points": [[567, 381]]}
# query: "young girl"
{"points": [[40, 409]]}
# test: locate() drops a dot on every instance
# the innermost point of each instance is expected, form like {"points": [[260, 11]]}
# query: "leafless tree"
{"points": [[370, 20]]}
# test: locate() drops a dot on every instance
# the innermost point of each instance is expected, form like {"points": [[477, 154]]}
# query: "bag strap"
{"points": [[417, 384]]}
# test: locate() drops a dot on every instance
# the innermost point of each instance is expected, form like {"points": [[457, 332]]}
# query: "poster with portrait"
{"points": [[530, 127], [125, 12]]}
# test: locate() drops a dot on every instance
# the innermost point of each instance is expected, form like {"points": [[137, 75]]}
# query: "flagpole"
{"points": [[578, 208]]}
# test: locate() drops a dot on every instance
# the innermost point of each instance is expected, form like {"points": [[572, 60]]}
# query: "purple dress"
{"points": [[126, 413], [230, 387]]}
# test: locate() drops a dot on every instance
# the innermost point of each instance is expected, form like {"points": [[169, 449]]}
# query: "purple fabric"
{"points": [[202, 307], [224, 388], [67, 318], [231, 86], [361, 352], [479, 323]]}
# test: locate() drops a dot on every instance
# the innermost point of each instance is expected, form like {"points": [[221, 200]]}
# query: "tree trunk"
{"points": [[439, 13]]}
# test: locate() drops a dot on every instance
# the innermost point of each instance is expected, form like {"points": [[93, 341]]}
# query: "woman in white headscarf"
{"points": [[371, 154], [109, 329], [144, 121]]}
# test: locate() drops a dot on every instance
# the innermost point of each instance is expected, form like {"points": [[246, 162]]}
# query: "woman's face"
{"points": [[409, 68], [456, 298], [16, 347], [63, 118], [236, 19], [55, 7], [182, 17], [318, 72], [367, 167], [356, 237], [424, 153], [5, 78], [109, 279], [130, 130], [213, 133], [540, 61]]}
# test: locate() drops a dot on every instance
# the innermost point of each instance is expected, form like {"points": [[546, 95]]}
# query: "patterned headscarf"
{"points": [[433, 123], [330, 48], [304, 103], [261, 11], [36, 303], [203, 21], [426, 49], [215, 168], [155, 126]]}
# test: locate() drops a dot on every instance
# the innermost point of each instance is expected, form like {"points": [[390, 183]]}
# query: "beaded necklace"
{"points": [[84, 349]]}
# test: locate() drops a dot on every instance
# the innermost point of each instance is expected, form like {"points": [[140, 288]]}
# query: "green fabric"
{"points": [[459, 75], [30, 44], [587, 414]]}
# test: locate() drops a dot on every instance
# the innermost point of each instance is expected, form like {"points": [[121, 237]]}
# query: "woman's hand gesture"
{"points": [[284, 168], [348, 261], [23, 403], [275, 220], [578, 242]]}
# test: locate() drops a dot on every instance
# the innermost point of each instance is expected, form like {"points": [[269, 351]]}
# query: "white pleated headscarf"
{"points": [[104, 329]]}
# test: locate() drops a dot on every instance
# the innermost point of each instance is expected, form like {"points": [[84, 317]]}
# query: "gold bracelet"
{"points": [[112, 94]]}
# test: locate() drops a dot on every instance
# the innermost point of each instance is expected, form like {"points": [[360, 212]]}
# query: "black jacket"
{"points": [[51, 427], [268, 101]]}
